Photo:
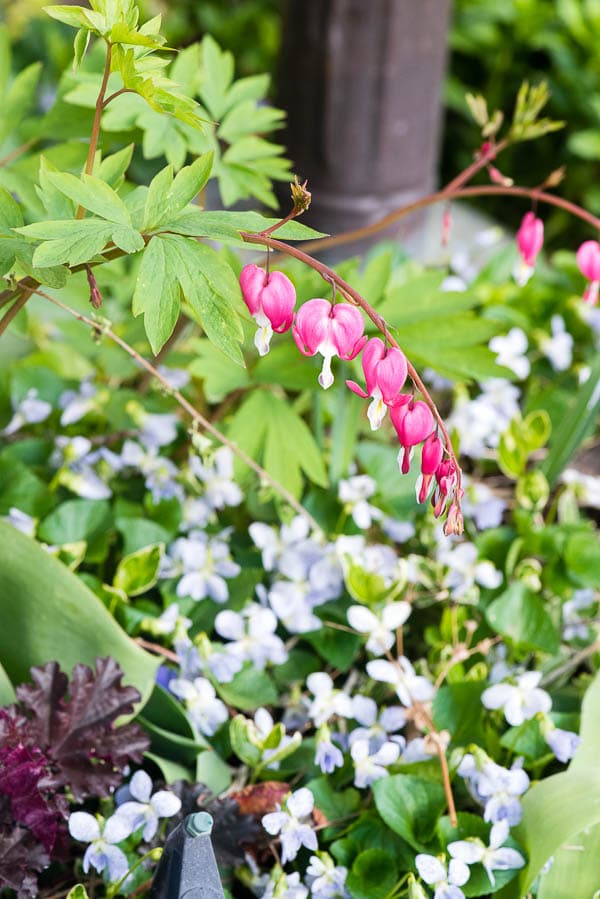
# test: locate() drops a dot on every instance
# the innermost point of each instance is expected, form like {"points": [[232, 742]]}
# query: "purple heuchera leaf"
{"points": [[59, 735], [78, 734]]}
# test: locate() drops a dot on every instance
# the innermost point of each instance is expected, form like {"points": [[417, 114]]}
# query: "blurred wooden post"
{"points": [[361, 81]]}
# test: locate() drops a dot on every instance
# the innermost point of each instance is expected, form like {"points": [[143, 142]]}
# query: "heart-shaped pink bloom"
{"points": [[588, 260], [413, 422], [431, 456], [530, 239], [385, 373], [270, 299], [321, 327]]}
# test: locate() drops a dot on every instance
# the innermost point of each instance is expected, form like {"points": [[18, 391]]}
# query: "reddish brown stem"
{"points": [[95, 135], [18, 151], [355, 297], [13, 311]]}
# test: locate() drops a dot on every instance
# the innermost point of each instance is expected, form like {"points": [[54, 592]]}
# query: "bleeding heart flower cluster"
{"points": [[331, 330], [530, 239]]}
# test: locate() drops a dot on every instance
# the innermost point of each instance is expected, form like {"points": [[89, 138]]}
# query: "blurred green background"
{"points": [[494, 47]]}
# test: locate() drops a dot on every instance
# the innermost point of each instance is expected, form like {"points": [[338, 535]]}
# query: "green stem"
{"points": [[113, 889]]}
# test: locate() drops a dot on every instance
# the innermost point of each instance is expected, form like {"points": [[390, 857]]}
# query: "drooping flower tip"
{"points": [[270, 299], [321, 327], [588, 260], [530, 239]]}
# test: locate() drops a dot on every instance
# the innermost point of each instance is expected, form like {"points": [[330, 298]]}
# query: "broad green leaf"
{"points": [[574, 871], [242, 745], [210, 288], [10, 211], [120, 33], [77, 892], [559, 808], [157, 293], [248, 690], [72, 242], [75, 16], [190, 181], [171, 771], [457, 708], [520, 614], [373, 875], [336, 647], [569, 433], [112, 168], [18, 99], [21, 488], [157, 209], [7, 694], [48, 613], [411, 806], [582, 557], [81, 43], [164, 711], [212, 771], [220, 377], [334, 803], [94, 194], [226, 226], [75, 519], [127, 239], [217, 75], [138, 572], [270, 431]]}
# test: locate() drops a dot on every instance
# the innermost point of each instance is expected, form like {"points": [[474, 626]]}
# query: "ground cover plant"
{"points": [[323, 532]]}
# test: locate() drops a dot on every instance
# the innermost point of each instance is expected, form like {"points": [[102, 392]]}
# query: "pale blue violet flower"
{"points": [[292, 823], [446, 881], [521, 701], [494, 857], [371, 766], [145, 809], [326, 880], [207, 712], [101, 854], [409, 686], [253, 634]]}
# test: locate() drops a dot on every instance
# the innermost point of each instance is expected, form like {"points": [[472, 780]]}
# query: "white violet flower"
{"points": [[292, 823], [446, 881], [145, 809], [521, 701], [101, 854]]}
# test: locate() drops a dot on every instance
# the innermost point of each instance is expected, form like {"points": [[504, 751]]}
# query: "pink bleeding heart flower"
{"points": [[270, 299], [385, 373], [588, 260], [431, 456], [321, 327], [413, 422], [530, 239], [446, 478]]}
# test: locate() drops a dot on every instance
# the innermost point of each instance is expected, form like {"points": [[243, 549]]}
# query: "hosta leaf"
{"points": [[71, 623]]}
